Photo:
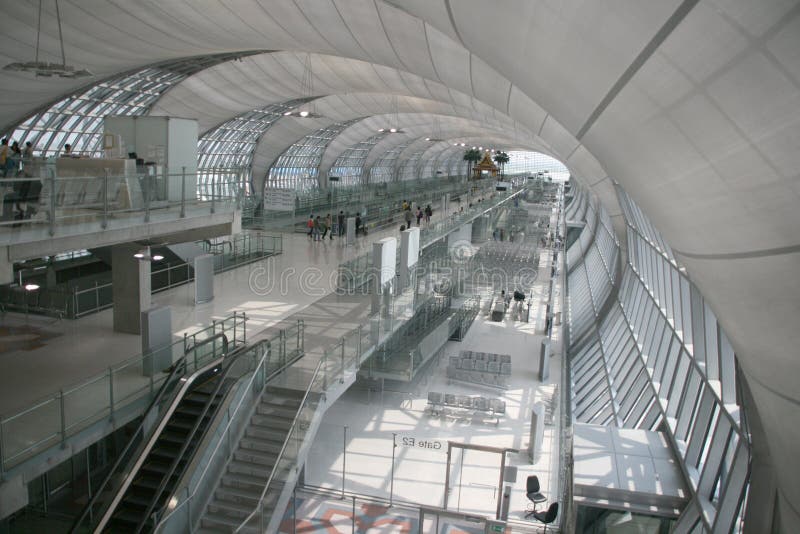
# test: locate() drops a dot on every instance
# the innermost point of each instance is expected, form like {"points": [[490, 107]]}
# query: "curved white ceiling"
{"points": [[693, 106]]}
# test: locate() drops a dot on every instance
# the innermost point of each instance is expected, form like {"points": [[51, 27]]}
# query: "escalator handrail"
{"points": [[228, 361], [178, 369], [180, 365], [188, 382]]}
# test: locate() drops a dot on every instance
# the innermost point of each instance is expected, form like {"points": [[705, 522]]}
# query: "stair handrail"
{"points": [[228, 360], [278, 458], [178, 367], [263, 361]]}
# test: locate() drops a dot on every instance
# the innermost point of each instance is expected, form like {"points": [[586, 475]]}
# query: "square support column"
{"points": [[384, 261], [130, 279], [409, 255]]}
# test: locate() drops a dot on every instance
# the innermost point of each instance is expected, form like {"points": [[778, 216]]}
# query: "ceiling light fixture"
{"points": [[43, 68], [307, 88], [31, 287]]}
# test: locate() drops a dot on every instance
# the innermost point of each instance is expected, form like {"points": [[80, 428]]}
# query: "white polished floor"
{"points": [[359, 430]]}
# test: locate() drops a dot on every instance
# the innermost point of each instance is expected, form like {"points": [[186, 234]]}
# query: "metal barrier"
{"points": [[56, 201], [75, 302], [53, 419]]}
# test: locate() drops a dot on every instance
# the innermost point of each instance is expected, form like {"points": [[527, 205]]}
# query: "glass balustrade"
{"points": [[116, 392], [43, 203]]}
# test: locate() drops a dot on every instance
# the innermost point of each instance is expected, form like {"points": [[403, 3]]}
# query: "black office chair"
{"points": [[547, 517], [533, 494]]}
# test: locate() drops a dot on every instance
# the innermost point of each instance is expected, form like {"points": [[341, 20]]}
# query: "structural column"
{"points": [[409, 254], [130, 279]]}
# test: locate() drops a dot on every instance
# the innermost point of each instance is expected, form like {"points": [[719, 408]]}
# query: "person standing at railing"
{"points": [[4, 156]]}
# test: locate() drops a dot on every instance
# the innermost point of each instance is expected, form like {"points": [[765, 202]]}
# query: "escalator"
{"points": [[135, 492], [163, 466]]}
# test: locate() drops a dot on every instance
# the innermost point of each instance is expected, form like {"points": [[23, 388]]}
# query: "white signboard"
{"points": [[279, 199]]}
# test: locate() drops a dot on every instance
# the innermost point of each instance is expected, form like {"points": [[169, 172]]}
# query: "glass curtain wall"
{"points": [[298, 167], [409, 168], [383, 169], [232, 144], [646, 351], [78, 118], [349, 166]]}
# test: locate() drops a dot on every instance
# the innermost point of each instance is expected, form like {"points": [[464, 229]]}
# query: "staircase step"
{"points": [[233, 493], [267, 432], [261, 445], [286, 393], [243, 480], [231, 508], [265, 459], [280, 410], [272, 421], [249, 468]]}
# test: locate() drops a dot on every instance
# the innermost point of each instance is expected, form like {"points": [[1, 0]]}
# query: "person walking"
{"points": [[317, 228], [358, 222], [428, 213], [328, 226], [340, 222], [310, 225], [407, 216], [419, 214]]}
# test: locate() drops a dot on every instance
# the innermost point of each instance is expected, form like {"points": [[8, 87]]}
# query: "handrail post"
{"points": [[52, 229], [183, 192], [213, 188], [63, 421], [358, 349], [341, 376], [110, 394], [147, 188], [2, 455], [105, 200], [96, 297]]}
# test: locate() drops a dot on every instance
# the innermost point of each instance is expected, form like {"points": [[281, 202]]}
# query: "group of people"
{"points": [[12, 157], [409, 214], [319, 227]]}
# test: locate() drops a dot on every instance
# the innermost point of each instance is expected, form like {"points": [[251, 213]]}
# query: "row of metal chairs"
{"points": [[438, 401], [483, 378], [487, 356]]}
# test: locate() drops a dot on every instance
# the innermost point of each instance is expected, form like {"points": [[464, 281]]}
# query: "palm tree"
{"points": [[501, 158], [472, 156]]}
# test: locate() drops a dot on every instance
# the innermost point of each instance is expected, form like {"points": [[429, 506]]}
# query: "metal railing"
{"points": [[155, 412], [115, 392], [75, 302], [354, 273], [57, 201], [187, 505]]}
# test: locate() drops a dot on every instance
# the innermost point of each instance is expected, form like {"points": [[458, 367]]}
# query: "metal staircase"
{"points": [[253, 461]]}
